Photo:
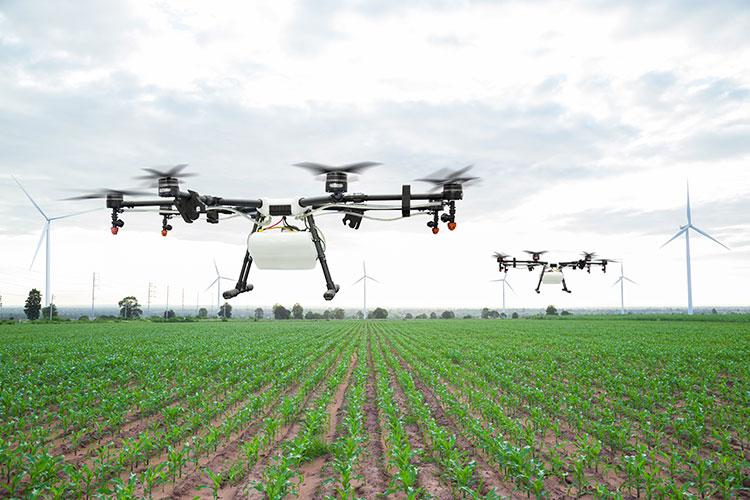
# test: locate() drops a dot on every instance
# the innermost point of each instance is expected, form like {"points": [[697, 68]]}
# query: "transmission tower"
{"points": [[94, 286], [151, 295]]}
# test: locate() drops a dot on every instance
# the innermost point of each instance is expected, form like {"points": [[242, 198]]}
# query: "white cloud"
{"points": [[584, 120]]}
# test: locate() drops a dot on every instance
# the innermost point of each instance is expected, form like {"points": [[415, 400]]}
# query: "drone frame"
{"points": [[191, 204], [584, 263]]}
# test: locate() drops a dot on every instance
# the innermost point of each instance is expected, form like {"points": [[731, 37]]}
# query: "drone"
{"points": [[281, 244], [552, 273]]}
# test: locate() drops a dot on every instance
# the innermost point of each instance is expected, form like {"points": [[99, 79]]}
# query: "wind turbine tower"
{"points": [[46, 236], [505, 282], [621, 281], [364, 279], [686, 229], [217, 282]]}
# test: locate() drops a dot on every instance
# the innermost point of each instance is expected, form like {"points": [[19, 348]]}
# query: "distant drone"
{"points": [[552, 273], [281, 245]]}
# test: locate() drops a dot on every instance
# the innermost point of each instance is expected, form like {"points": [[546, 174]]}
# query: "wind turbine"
{"points": [[505, 282], [685, 229], [217, 282], [364, 279], [621, 281], [45, 236]]}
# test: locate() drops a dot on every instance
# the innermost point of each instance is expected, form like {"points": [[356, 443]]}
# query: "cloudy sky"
{"points": [[584, 119]]}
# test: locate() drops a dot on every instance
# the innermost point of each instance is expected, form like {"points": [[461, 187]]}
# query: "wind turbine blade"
{"points": [[77, 213], [675, 236], [709, 237], [39, 245], [360, 279], [511, 288], [225, 278], [617, 281], [212, 284], [373, 279], [688, 202], [217, 268], [364, 269], [633, 282], [30, 198]]}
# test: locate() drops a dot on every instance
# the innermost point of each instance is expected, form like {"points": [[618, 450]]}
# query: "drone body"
{"points": [[551, 272], [279, 244]]}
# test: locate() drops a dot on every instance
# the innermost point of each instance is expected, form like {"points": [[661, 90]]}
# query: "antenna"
{"points": [[46, 236], [686, 229], [364, 279], [621, 281], [505, 282]]}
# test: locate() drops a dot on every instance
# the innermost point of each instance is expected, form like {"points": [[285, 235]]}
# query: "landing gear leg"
{"points": [[565, 287], [541, 275], [242, 285], [332, 287]]}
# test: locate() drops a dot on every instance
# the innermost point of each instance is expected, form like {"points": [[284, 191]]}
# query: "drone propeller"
{"points": [[154, 173], [320, 169], [444, 176], [588, 256], [336, 177], [105, 192], [542, 252], [501, 256]]}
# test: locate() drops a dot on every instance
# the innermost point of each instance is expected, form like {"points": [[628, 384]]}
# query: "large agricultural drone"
{"points": [[282, 245], [552, 272]]}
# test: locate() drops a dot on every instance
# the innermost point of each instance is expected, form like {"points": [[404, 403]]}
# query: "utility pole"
{"points": [[151, 295], [51, 302], [197, 302], [167, 309], [183, 303], [94, 284]]}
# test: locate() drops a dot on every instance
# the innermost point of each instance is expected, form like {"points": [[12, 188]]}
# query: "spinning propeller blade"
{"points": [[104, 192], [320, 169], [445, 176], [155, 173]]}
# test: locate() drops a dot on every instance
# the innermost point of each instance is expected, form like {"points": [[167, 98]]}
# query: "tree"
{"points": [[202, 312], [421, 316], [327, 314], [225, 311], [33, 304], [551, 310], [339, 313], [494, 314], [448, 315], [514, 315], [297, 311], [280, 312], [713, 311], [408, 316], [433, 315], [169, 314], [485, 313], [359, 315], [566, 313], [503, 315], [259, 313], [45, 312], [379, 313], [130, 308], [311, 315]]}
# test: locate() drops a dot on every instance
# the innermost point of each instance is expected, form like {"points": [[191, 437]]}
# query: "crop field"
{"points": [[446, 409]]}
